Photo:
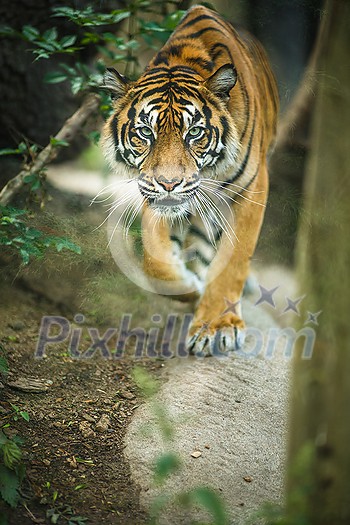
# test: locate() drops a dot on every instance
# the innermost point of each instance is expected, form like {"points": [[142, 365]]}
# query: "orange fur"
{"points": [[225, 79]]}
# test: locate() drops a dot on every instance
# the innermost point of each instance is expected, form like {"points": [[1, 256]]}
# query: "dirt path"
{"points": [[64, 452]]}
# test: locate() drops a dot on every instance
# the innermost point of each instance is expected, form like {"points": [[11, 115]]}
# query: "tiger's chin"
{"points": [[171, 208]]}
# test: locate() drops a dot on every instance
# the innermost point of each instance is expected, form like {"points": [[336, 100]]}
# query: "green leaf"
{"points": [[40, 54], [25, 415], [55, 77], [4, 366], [166, 465], [9, 485], [55, 517], [208, 499], [30, 178], [57, 142], [94, 136], [25, 256], [68, 40], [48, 46], [172, 20], [36, 185], [118, 16], [23, 148], [81, 486], [50, 34], [153, 27], [30, 32], [12, 453], [7, 31], [9, 151]]}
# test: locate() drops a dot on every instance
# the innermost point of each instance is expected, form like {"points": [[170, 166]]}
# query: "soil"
{"points": [[68, 462]]}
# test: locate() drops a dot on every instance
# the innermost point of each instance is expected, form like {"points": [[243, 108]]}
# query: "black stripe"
{"points": [[216, 50], [243, 166], [198, 255], [196, 231], [246, 102], [175, 50], [161, 58], [200, 33], [225, 128], [202, 17], [250, 182], [201, 62], [161, 80], [176, 239]]}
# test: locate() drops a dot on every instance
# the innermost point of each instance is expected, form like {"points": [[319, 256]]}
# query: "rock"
{"points": [[103, 424], [88, 418], [86, 430], [127, 395], [30, 384], [196, 454]]}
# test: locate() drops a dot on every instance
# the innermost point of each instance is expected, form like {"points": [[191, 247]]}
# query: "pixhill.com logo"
{"points": [[168, 337]]}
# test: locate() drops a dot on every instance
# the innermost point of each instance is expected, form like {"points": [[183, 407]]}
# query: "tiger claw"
{"points": [[218, 343]]}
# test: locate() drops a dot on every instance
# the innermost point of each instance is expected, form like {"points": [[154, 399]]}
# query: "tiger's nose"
{"points": [[169, 184]]}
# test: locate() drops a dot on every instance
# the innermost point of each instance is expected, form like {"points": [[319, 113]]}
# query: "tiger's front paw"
{"points": [[216, 338]]}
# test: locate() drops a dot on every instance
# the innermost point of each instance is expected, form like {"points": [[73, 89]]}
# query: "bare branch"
{"points": [[68, 131]]}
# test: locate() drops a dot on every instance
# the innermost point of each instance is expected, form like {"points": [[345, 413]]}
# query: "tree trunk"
{"points": [[319, 457]]}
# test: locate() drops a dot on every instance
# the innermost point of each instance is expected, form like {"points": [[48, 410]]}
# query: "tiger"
{"points": [[196, 131]]}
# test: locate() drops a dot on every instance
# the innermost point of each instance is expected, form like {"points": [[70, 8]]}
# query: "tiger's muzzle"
{"points": [[169, 196]]}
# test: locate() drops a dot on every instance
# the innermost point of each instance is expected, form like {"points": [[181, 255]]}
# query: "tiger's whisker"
{"points": [[238, 195], [225, 225], [114, 206]]}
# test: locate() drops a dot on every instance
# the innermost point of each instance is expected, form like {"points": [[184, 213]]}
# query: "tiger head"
{"points": [[171, 129]]}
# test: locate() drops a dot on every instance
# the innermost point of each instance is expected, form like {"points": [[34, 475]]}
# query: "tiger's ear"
{"points": [[222, 81], [115, 83]]}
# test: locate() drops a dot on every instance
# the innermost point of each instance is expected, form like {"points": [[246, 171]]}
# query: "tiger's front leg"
{"points": [[217, 325], [162, 262]]}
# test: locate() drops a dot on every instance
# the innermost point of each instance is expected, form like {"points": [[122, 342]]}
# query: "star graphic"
{"points": [[312, 317], [231, 307], [204, 327], [293, 305], [266, 296]]}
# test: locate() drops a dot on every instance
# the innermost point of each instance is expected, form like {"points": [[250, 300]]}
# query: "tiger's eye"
{"points": [[146, 131], [195, 132]]}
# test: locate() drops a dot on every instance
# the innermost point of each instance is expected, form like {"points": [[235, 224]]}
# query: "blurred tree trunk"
{"points": [[319, 452]]}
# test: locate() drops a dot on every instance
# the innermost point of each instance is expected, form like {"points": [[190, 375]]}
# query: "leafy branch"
{"points": [[27, 241], [62, 138]]}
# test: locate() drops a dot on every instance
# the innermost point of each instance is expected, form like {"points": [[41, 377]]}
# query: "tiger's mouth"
{"points": [[170, 205]]}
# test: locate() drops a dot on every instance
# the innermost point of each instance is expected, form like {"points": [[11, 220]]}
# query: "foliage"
{"points": [[124, 47], [4, 366], [67, 514], [17, 413], [28, 241], [169, 463], [12, 471]]}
